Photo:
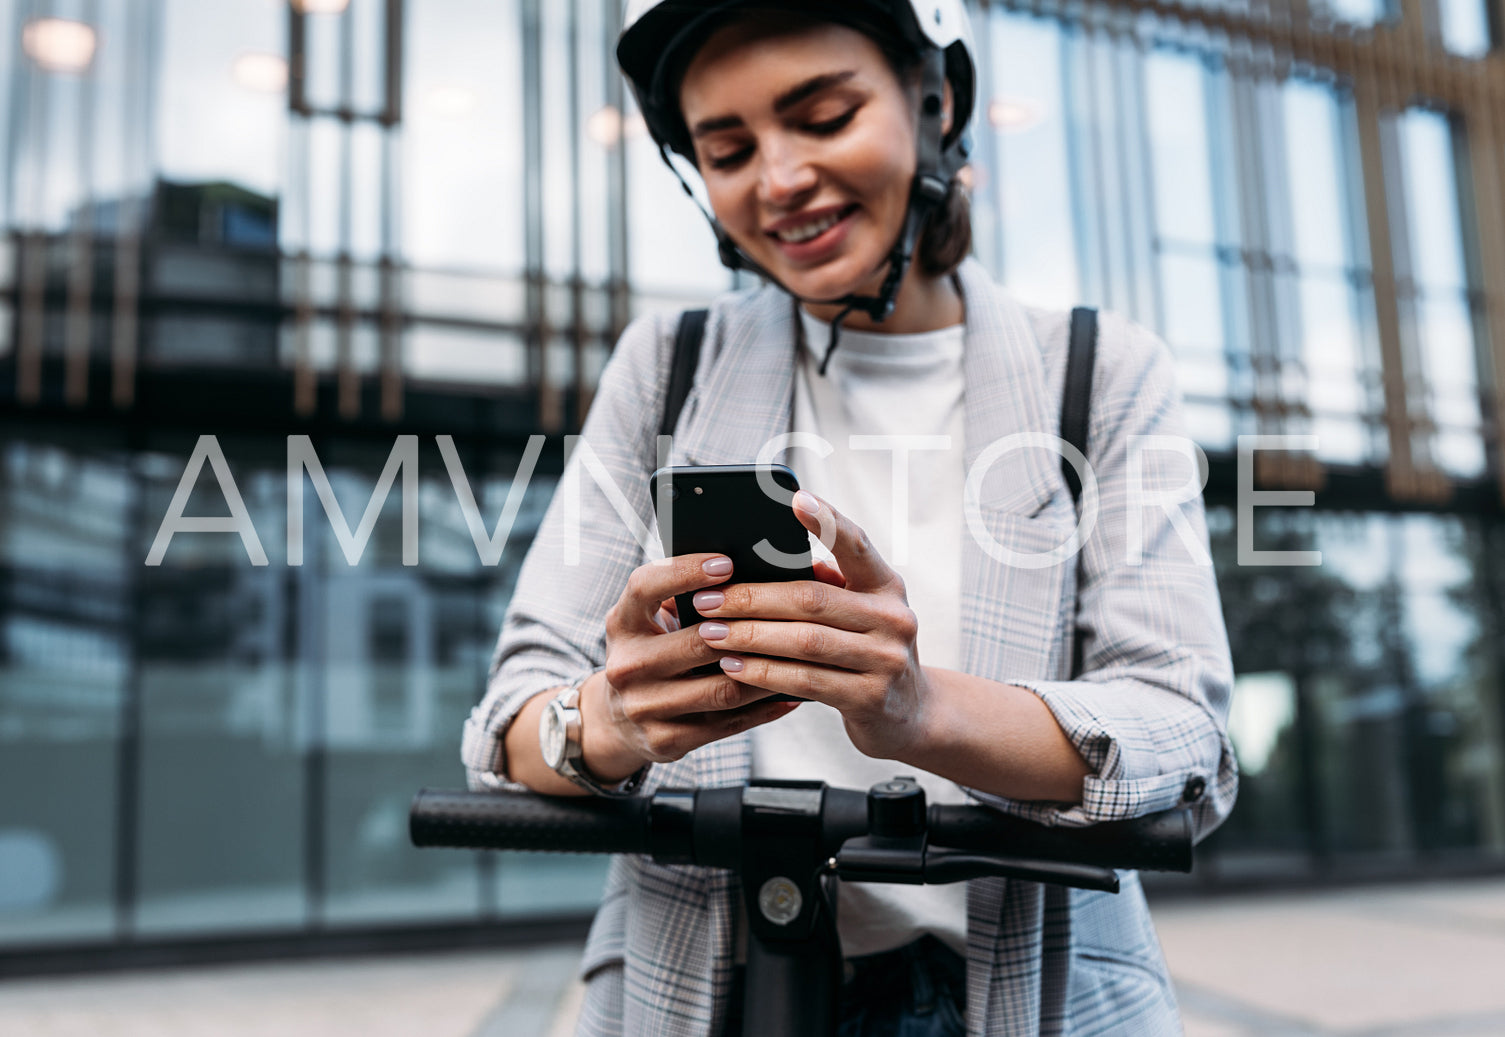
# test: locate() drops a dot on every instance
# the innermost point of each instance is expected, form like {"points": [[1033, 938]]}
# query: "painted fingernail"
{"points": [[731, 664], [806, 503], [713, 631], [720, 566], [708, 600]]}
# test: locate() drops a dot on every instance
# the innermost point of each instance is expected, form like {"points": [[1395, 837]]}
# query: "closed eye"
{"points": [[828, 128], [832, 126], [728, 161]]}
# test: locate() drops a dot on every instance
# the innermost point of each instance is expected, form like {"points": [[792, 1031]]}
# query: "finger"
{"points": [[809, 600], [860, 562], [811, 642], [664, 657], [790, 677], [825, 572], [673, 740], [686, 699], [652, 582], [667, 621]]}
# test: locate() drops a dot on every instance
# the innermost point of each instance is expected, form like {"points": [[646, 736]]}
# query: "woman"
{"points": [[830, 139]]}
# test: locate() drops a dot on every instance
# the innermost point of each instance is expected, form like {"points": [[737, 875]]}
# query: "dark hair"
{"points": [[946, 238]]}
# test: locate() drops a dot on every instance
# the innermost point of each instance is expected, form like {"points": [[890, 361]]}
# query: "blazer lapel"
{"points": [[1011, 615], [1005, 396]]}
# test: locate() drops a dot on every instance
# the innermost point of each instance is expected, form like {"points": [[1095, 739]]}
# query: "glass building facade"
{"points": [[361, 220]]}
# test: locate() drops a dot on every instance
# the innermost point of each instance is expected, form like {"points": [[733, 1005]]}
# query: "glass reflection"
{"points": [[1464, 26], [1370, 716], [65, 658], [224, 717], [463, 166], [1436, 291], [1030, 170], [278, 719], [209, 126]]}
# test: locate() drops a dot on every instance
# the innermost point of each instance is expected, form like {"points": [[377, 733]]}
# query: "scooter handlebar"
{"points": [[523, 821], [586, 824]]}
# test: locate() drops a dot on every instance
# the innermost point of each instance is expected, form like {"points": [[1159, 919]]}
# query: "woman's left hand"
{"points": [[847, 638]]}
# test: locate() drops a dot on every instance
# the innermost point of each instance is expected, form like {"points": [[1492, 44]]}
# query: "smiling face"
{"points": [[804, 136]]}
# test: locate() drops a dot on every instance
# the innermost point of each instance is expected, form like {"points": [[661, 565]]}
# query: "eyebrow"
{"points": [[788, 99]]}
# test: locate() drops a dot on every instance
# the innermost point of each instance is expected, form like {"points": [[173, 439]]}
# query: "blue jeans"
{"points": [[919, 990]]}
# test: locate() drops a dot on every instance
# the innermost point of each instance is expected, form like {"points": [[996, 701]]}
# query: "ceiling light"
{"points": [[1014, 114], [264, 73], [320, 6], [605, 126], [59, 44]]}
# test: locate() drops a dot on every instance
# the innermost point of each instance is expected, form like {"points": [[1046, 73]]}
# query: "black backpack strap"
{"points": [[1076, 409], [1076, 398], [682, 371]]}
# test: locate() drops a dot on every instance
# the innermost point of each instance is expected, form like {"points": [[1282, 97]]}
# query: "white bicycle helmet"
{"points": [[660, 36]]}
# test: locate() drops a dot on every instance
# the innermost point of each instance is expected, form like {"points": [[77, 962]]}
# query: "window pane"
{"points": [[405, 657], [1447, 337], [1189, 284], [1362, 12], [225, 721], [217, 117], [1436, 308], [671, 250], [1032, 178], [64, 636], [1314, 175], [1174, 88], [1431, 197], [368, 55], [462, 356], [1465, 27], [463, 173]]}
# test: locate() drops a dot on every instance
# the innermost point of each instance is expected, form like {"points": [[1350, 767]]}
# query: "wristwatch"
{"points": [[559, 738]]}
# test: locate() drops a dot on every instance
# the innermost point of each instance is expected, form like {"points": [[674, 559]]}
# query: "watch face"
{"points": [[551, 735]]}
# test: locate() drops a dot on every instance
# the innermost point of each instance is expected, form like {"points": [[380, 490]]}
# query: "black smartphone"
{"points": [[742, 511]]}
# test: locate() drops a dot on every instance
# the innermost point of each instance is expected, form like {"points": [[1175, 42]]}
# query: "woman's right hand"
{"points": [[643, 707]]}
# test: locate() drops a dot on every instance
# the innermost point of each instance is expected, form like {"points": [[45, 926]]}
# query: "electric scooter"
{"points": [[789, 841]]}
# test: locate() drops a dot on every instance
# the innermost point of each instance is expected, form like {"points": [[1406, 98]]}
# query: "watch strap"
{"points": [[571, 765]]}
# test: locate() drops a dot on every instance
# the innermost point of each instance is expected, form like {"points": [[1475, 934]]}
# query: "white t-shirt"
{"points": [[895, 386]]}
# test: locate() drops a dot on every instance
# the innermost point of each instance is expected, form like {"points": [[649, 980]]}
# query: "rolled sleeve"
{"points": [[554, 631], [1149, 711]]}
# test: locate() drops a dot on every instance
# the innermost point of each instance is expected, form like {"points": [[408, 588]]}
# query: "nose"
{"points": [[786, 177]]}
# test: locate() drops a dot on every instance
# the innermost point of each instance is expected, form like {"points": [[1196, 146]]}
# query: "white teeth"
{"points": [[795, 235]]}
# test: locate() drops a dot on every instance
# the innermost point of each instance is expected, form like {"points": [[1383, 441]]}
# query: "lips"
{"points": [[807, 233], [798, 229]]}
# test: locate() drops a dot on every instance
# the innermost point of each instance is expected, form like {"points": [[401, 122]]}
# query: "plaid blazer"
{"points": [[1148, 714]]}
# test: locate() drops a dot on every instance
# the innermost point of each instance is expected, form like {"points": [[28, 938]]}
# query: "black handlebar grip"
{"points": [[527, 821], [1159, 842]]}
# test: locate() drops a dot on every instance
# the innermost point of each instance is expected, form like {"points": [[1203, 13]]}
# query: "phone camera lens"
{"points": [[699, 490]]}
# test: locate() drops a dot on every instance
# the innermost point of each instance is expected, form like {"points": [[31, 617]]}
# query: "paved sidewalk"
{"points": [[515, 993], [1388, 961], [1395, 961]]}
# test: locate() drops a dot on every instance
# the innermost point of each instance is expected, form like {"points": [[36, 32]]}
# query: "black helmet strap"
{"points": [[935, 166]]}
